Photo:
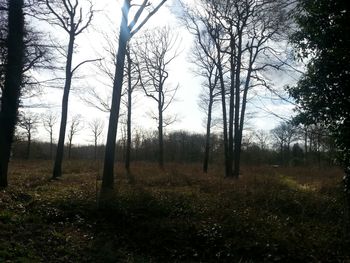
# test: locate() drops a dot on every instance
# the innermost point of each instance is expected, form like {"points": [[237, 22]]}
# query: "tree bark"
{"points": [[237, 94], [223, 105], [160, 129], [207, 138], [108, 169], [29, 140], [51, 145], [128, 129], [12, 85], [57, 171]]}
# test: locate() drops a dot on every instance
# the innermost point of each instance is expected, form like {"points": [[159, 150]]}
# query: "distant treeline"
{"points": [[182, 147]]}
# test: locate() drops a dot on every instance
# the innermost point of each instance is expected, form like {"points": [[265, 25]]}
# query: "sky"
{"points": [[91, 44]]}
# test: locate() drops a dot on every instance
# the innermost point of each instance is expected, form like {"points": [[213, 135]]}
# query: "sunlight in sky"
{"points": [[92, 44]]}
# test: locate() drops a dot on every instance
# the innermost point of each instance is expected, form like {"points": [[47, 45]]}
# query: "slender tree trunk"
{"points": [[207, 138], [57, 171], [51, 145], [232, 108], [29, 140], [108, 169], [160, 130], [95, 149], [238, 146], [237, 108], [69, 148], [12, 85], [305, 147], [224, 113], [128, 131]]}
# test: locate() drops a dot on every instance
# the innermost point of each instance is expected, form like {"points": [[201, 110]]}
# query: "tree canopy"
{"points": [[322, 39]]}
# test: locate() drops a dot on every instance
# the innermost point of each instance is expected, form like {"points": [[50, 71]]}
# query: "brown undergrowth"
{"points": [[177, 214]]}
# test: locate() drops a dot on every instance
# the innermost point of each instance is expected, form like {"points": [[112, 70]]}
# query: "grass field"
{"points": [[175, 215]]}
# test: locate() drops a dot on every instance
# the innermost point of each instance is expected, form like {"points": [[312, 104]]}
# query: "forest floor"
{"points": [[175, 215]]}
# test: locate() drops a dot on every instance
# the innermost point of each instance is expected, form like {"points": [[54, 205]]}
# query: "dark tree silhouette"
{"points": [[49, 121], [28, 122], [12, 85], [159, 50], [129, 26], [74, 128], [96, 128], [323, 94], [68, 15]]}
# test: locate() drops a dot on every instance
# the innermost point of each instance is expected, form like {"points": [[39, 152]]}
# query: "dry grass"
{"points": [[177, 214]]}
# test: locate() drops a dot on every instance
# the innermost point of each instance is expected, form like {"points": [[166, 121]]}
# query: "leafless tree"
{"points": [[28, 123], [249, 31], [131, 81], [262, 137], [49, 121], [131, 23], [71, 16], [203, 25], [284, 134], [159, 49], [96, 127], [74, 128], [205, 57]]}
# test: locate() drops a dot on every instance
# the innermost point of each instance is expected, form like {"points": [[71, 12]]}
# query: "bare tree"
{"points": [[96, 128], [203, 25], [159, 50], [204, 56], [129, 26], [131, 76], [74, 128], [262, 138], [247, 30], [284, 134], [28, 122], [49, 121], [70, 16], [12, 84]]}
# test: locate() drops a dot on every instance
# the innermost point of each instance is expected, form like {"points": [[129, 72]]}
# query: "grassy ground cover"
{"points": [[175, 215]]}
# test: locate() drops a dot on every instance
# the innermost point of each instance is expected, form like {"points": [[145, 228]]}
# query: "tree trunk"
{"points": [[207, 138], [57, 171], [95, 149], [69, 148], [108, 177], [51, 145], [224, 116], [29, 140], [128, 129], [232, 108], [237, 107], [12, 85], [160, 131]]}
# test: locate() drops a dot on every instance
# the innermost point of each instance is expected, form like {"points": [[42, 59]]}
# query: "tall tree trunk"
{"points": [[51, 145], [69, 149], [128, 129], [29, 140], [160, 130], [238, 151], [207, 137], [95, 149], [305, 147], [57, 170], [224, 113], [108, 169], [232, 108], [12, 85], [237, 108]]}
